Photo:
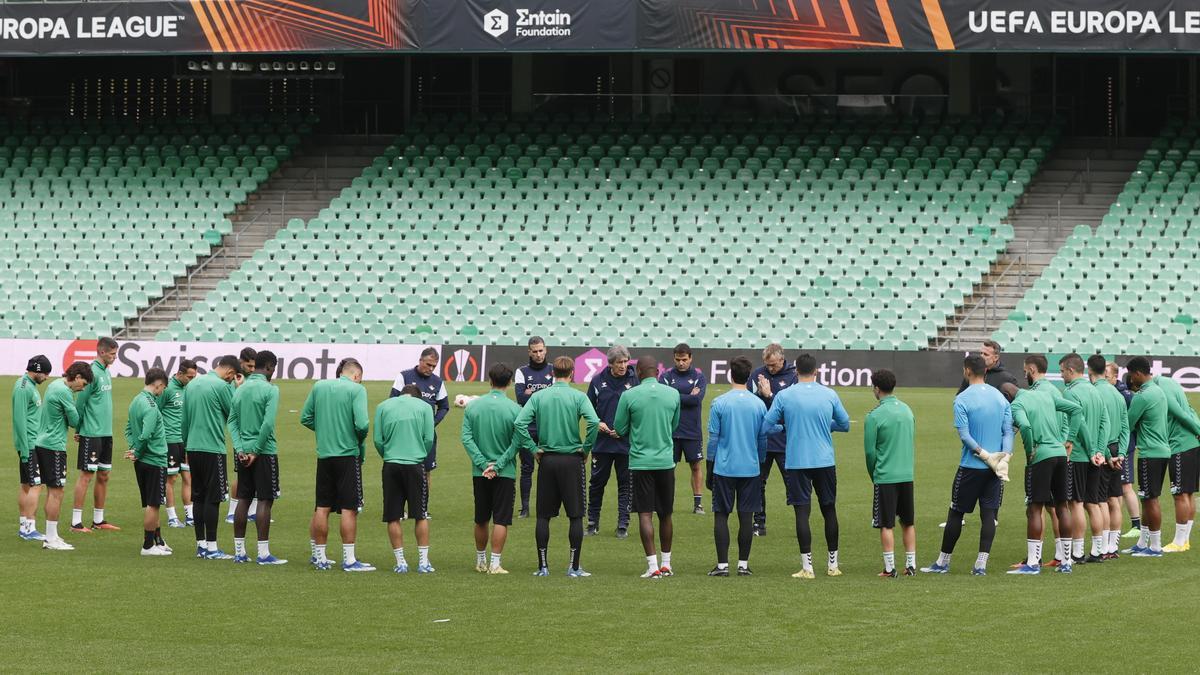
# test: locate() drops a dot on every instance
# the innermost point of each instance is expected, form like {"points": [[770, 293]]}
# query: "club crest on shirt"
{"points": [[626, 385]]}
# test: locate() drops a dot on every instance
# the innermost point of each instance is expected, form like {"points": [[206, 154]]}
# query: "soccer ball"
{"points": [[461, 401]]}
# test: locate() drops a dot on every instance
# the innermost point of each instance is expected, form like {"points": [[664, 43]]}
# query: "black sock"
{"points": [[987, 529], [575, 539], [803, 532], [745, 534], [542, 536], [829, 513], [212, 516], [198, 520], [721, 536], [148, 541], [953, 530], [1137, 523], [158, 536], [697, 501]]}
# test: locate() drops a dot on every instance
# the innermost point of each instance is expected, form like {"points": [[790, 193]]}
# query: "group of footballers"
{"points": [[1079, 446]]}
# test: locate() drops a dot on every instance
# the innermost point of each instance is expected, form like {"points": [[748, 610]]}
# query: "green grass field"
{"points": [[104, 608]]}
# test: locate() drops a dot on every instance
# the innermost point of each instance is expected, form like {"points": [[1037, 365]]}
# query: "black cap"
{"points": [[39, 364]]}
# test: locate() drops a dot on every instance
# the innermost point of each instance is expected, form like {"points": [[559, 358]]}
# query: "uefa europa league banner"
{"points": [[337, 26], [470, 363]]}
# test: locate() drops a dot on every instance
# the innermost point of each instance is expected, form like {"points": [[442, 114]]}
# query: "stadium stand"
{"points": [[97, 199], [1141, 257], [829, 233]]}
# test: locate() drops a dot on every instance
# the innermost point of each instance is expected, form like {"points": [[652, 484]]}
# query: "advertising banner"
{"points": [[469, 363], [203, 27], [528, 25]]}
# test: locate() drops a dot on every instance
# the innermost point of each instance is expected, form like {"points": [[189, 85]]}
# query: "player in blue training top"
{"points": [[736, 449], [529, 380], [808, 412], [983, 419], [689, 435]]}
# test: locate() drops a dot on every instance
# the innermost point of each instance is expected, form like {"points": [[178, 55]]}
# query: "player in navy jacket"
{"points": [[611, 449], [689, 436], [775, 375], [528, 380], [433, 392]]}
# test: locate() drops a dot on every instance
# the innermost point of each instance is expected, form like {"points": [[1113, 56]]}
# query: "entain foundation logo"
{"points": [[530, 23]]}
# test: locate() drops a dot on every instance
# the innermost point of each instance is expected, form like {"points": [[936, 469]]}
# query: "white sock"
{"points": [[1114, 541], [1188, 531], [232, 507], [889, 561], [24, 527], [1077, 548], [666, 559], [201, 545], [239, 546], [253, 506], [1180, 534], [348, 554], [264, 549], [833, 560], [910, 559], [495, 559], [1062, 549], [943, 559], [187, 511], [98, 515], [480, 558], [1033, 552], [1156, 540], [422, 555], [400, 561], [171, 514], [742, 564], [651, 563], [76, 517], [312, 548], [981, 561], [319, 553], [806, 561], [1144, 537], [51, 529], [1097, 545], [722, 566], [211, 546]]}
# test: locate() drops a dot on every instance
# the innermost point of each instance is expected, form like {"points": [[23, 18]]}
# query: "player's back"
{"points": [[982, 410], [811, 412], [738, 415]]}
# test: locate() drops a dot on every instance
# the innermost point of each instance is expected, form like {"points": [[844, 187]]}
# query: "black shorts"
{"points": [[404, 492], [28, 471], [51, 466], [1150, 476], [973, 486], [1128, 467], [800, 484], [1077, 480], [560, 483], [95, 454], [339, 483], [1096, 490], [654, 491], [260, 480], [1183, 469], [892, 500], [1114, 486], [741, 494], [1046, 481], [210, 482], [494, 500], [689, 450], [176, 459], [152, 483]]}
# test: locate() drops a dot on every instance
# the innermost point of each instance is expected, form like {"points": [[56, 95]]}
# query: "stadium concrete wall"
{"points": [[469, 363]]}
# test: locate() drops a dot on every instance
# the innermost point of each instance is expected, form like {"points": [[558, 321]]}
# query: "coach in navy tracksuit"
{"points": [[433, 392], [688, 436], [775, 375], [610, 449], [529, 380]]}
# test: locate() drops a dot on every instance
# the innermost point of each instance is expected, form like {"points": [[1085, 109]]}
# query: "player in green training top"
{"points": [[647, 415], [26, 416], [561, 454], [1183, 431], [95, 436], [58, 415], [170, 404], [403, 438], [489, 436], [336, 411], [146, 438], [1118, 444], [888, 440], [1148, 414], [203, 423], [1089, 453], [252, 426], [246, 358]]}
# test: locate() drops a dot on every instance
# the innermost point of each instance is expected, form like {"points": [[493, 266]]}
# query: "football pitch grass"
{"points": [[104, 608]]}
